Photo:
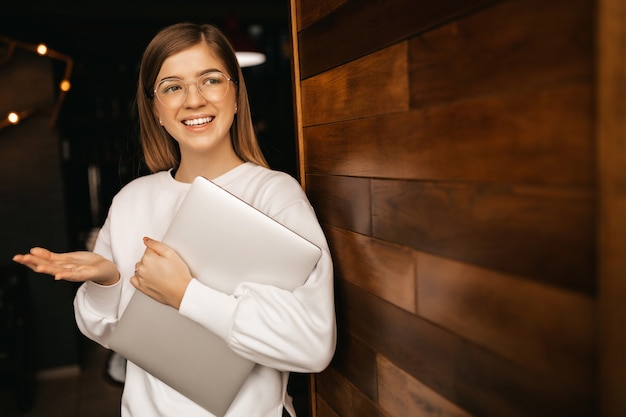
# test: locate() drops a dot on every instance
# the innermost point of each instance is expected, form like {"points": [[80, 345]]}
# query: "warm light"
{"points": [[250, 59], [42, 49], [65, 85], [13, 118]]}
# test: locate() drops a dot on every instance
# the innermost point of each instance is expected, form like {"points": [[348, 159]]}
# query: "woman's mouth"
{"points": [[199, 121]]}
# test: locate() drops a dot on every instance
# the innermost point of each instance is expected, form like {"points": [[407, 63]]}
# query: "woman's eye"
{"points": [[170, 88], [211, 80]]}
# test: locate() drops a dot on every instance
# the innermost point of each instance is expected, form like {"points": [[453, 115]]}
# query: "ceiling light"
{"points": [[249, 58], [246, 49]]}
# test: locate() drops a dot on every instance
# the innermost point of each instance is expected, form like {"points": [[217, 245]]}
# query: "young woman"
{"points": [[195, 121]]}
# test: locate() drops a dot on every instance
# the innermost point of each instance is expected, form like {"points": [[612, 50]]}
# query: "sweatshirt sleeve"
{"points": [[289, 331], [96, 306]]}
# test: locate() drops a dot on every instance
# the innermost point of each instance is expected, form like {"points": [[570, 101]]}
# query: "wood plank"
{"points": [[361, 27], [384, 269], [402, 395], [311, 11], [324, 409], [356, 361], [345, 399], [477, 380], [541, 233], [375, 84], [537, 326], [540, 137], [297, 88], [341, 201], [538, 43], [611, 133]]}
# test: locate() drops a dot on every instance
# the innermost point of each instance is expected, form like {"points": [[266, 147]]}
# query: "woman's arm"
{"points": [[285, 330]]}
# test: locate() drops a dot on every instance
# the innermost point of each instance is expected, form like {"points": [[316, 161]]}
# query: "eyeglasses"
{"points": [[213, 86]]}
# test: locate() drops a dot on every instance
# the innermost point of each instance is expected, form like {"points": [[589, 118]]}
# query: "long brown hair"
{"points": [[161, 151]]}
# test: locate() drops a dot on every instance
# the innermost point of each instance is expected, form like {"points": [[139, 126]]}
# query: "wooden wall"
{"points": [[449, 149], [611, 138]]}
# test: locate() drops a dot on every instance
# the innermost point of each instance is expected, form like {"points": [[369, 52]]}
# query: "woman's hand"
{"points": [[71, 266], [161, 274]]}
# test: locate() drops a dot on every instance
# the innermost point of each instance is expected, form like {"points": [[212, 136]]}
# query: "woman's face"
{"points": [[199, 122]]}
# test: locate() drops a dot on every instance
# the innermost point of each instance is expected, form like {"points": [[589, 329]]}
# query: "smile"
{"points": [[197, 122]]}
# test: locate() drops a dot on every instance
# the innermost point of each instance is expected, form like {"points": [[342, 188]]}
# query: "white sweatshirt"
{"points": [[279, 330]]}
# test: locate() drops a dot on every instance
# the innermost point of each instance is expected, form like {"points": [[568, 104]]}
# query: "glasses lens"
{"points": [[213, 86], [171, 92]]}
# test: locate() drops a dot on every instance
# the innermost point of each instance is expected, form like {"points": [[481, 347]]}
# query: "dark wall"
{"points": [[32, 206]]}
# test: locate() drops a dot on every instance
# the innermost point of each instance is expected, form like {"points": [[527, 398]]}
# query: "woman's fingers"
{"points": [[41, 265], [41, 253], [71, 266], [157, 247]]}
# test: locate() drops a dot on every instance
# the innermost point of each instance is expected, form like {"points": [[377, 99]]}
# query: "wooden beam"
{"points": [[611, 131]]}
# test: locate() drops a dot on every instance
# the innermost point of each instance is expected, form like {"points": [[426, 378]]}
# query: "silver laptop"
{"points": [[224, 241]]}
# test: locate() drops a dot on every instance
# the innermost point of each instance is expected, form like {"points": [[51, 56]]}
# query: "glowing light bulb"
{"points": [[65, 85], [42, 49], [13, 118]]}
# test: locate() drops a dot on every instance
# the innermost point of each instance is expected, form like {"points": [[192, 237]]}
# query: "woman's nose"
{"points": [[194, 95]]}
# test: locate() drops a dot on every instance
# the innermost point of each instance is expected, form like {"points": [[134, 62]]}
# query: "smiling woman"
{"points": [[96, 130], [200, 119], [207, 132]]}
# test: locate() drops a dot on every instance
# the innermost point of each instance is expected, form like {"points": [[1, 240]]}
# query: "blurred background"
{"points": [[67, 153]]}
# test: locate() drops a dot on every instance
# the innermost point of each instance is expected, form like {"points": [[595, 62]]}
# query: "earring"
{"points": [[161, 122], [235, 108]]}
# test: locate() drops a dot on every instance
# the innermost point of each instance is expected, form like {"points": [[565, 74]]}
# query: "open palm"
{"points": [[77, 266]]}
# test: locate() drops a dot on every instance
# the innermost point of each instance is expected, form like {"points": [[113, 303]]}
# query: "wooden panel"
{"points": [[360, 27], [611, 131], [324, 410], [376, 84], [382, 268], [472, 377], [533, 136], [541, 233], [422, 349], [341, 201], [538, 42], [344, 398], [402, 395], [356, 361], [310, 11], [480, 163], [540, 327]]}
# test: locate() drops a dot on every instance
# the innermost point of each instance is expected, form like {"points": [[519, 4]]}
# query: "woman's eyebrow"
{"points": [[199, 74], [169, 78], [206, 71]]}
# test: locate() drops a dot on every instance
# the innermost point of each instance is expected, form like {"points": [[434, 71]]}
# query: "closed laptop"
{"points": [[224, 241]]}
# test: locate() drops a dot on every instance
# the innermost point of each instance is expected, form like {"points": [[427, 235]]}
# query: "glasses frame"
{"points": [[198, 87]]}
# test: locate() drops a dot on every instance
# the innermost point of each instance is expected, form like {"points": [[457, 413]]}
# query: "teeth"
{"points": [[200, 121]]}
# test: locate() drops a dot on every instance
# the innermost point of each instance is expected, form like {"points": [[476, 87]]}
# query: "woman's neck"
{"points": [[191, 168]]}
